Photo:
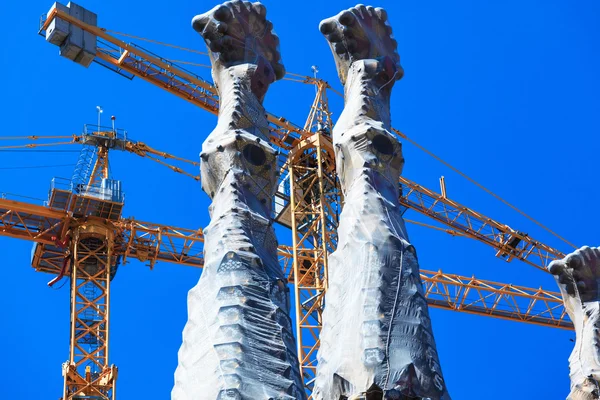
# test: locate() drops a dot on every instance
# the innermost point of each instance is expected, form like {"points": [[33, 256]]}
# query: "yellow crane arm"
{"points": [[149, 242], [509, 243], [142, 240], [499, 300], [31, 222], [143, 150]]}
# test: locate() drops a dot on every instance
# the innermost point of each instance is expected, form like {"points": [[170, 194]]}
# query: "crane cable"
{"points": [[4, 195], [34, 137], [473, 181], [32, 145], [143, 150], [451, 232], [173, 168], [138, 148], [115, 51], [155, 42], [479, 185], [40, 151], [40, 166]]}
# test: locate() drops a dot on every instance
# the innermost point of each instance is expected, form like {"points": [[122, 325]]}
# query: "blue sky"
{"points": [[506, 91]]}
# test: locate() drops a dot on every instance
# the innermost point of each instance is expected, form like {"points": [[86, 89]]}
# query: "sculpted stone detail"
{"points": [[376, 341], [578, 276], [238, 341]]}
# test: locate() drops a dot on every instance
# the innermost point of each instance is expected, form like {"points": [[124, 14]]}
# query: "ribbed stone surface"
{"points": [[238, 341], [376, 340]]}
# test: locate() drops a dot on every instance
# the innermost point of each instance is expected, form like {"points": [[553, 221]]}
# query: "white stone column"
{"points": [[578, 277], [238, 341], [376, 341]]}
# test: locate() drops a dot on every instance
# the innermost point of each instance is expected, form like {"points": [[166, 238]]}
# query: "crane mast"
{"points": [[87, 244], [80, 234], [93, 260], [313, 213]]}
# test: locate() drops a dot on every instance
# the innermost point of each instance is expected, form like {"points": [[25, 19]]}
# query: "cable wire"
{"points": [[35, 137], [173, 168], [479, 185], [473, 181], [39, 166], [448, 231], [336, 92], [188, 63], [155, 42], [4, 194], [32, 145]]}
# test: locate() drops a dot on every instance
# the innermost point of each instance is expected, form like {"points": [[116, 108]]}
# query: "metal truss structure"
{"points": [[93, 261], [314, 209], [509, 243]]}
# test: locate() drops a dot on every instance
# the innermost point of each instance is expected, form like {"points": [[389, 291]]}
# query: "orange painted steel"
{"points": [[305, 266], [286, 135], [499, 300], [202, 93], [314, 195], [146, 242], [509, 243], [31, 222], [88, 373]]}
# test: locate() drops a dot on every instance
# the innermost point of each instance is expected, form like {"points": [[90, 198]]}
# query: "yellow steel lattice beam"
{"points": [[314, 236], [88, 374], [499, 300], [154, 242], [509, 243]]}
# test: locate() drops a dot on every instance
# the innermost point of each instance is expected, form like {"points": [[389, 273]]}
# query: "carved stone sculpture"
{"points": [[376, 341], [578, 276], [238, 341]]}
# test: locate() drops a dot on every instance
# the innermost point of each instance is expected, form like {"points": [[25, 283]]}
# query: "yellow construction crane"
{"points": [[81, 233]]}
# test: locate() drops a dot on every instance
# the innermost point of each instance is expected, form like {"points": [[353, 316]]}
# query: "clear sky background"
{"points": [[506, 91]]}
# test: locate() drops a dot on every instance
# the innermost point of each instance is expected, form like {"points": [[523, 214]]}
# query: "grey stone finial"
{"points": [[361, 33], [578, 277], [238, 32]]}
